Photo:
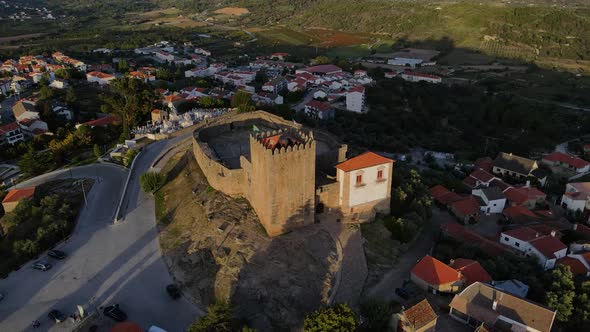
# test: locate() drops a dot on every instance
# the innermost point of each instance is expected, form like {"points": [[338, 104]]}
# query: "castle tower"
{"points": [[282, 179]]}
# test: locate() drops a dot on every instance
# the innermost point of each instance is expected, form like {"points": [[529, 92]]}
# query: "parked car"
{"points": [[43, 266], [173, 291], [402, 293], [56, 316], [57, 254], [114, 312]]}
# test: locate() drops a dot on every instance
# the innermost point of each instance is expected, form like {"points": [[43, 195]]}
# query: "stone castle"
{"points": [[284, 170]]}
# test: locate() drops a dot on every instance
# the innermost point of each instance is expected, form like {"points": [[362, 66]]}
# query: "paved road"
{"points": [[422, 246], [108, 263]]}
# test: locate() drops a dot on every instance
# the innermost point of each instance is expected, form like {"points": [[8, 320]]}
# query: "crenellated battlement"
{"points": [[281, 141]]}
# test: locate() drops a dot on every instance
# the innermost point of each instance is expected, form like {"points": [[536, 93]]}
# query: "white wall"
{"points": [[355, 102], [371, 190], [573, 205], [515, 243]]}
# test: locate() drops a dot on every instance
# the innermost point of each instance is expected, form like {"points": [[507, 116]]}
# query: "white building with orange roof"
{"points": [[99, 77], [365, 186]]}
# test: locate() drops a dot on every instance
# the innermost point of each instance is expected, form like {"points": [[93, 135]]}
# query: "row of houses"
{"points": [[479, 301]]}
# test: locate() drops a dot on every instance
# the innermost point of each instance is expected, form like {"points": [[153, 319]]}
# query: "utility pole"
{"points": [[83, 192]]}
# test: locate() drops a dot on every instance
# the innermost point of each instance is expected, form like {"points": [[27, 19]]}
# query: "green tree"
{"points": [[24, 249], [34, 163], [97, 151], [164, 74], [151, 181], [217, 319], [243, 102], [321, 60], [129, 99], [338, 317], [71, 97], [561, 293], [377, 314], [46, 93]]}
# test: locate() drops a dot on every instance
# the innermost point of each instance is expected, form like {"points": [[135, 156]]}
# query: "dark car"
{"points": [[402, 293], [114, 312], [41, 266], [173, 291], [57, 254], [56, 316]]}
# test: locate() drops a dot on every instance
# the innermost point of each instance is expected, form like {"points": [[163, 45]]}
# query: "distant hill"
{"points": [[531, 28]]}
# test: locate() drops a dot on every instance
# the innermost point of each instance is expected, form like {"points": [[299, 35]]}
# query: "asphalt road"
{"points": [[107, 263]]}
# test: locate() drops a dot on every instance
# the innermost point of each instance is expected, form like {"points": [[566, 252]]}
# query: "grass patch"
{"points": [[160, 207], [381, 249]]}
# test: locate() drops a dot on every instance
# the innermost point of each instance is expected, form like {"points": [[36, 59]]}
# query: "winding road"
{"points": [[107, 263]]}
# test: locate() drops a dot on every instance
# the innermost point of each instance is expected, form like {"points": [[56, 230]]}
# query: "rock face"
{"points": [[220, 250]]}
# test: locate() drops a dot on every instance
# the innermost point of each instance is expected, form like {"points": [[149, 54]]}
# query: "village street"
{"points": [[107, 262]]}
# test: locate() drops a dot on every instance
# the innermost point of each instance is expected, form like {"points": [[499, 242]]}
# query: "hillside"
{"points": [[541, 30]]}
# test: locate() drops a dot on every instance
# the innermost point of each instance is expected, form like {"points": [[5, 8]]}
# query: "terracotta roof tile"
{"points": [[420, 314], [367, 159], [525, 234], [548, 245], [16, 195], [435, 272], [471, 270], [575, 265], [566, 159]]}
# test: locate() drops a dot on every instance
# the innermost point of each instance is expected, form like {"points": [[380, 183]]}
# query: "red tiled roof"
{"points": [[518, 211], [471, 270], [420, 314], [435, 272], [100, 75], [471, 182], [280, 54], [468, 205], [575, 265], [320, 106], [482, 175], [520, 195], [583, 229], [324, 69], [525, 234], [459, 233], [8, 128], [280, 140], [156, 111], [444, 195], [566, 159], [102, 121], [548, 245], [16, 195], [357, 88], [367, 159]]}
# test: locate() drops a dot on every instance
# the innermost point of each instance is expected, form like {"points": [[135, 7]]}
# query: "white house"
{"points": [[202, 51], [320, 94], [197, 72], [164, 56], [546, 248], [99, 77], [275, 85], [364, 186], [420, 77], [33, 127], [355, 99], [559, 160], [492, 199], [11, 134], [576, 196], [319, 110]]}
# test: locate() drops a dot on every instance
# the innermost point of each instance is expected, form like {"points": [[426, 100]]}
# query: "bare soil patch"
{"points": [[215, 247], [234, 11]]}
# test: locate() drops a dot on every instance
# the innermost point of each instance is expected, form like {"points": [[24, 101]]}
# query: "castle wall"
{"points": [[229, 181], [328, 195]]}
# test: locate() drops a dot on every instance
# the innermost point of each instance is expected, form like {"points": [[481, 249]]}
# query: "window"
{"points": [[505, 238], [359, 180], [380, 175], [516, 244]]}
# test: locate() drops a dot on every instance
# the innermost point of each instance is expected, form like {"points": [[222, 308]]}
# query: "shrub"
{"points": [[217, 319], [151, 182], [338, 317]]}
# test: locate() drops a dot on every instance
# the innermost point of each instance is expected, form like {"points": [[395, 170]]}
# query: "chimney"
{"points": [[575, 227], [553, 233], [528, 183], [494, 305], [537, 234]]}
